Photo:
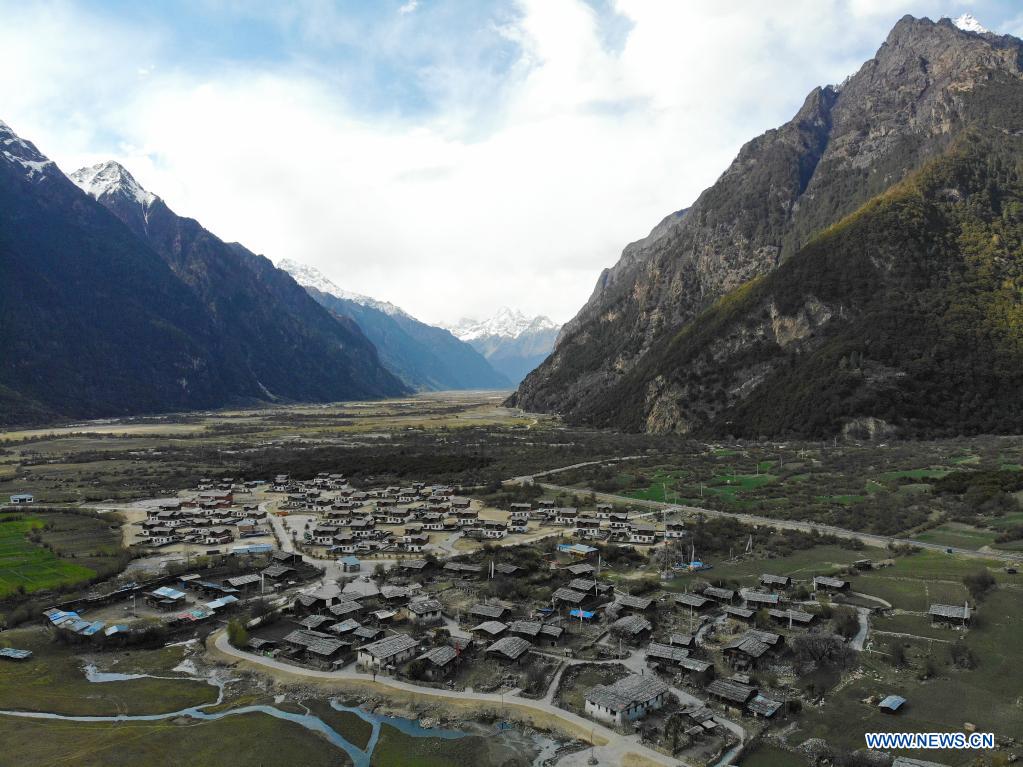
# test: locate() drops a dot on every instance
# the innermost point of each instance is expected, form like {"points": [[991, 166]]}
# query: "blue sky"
{"points": [[450, 157]]}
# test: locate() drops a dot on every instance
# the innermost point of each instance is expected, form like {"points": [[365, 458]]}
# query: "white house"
{"points": [[627, 699], [389, 651]]}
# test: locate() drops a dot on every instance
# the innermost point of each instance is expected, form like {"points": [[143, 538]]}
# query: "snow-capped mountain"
{"points": [[423, 356], [507, 323], [111, 177], [111, 185], [24, 154], [512, 342], [968, 23], [311, 277], [124, 307]]}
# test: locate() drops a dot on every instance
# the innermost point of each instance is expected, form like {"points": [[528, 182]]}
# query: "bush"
{"points": [[821, 651], [897, 653], [847, 622], [236, 633], [979, 584], [962, 656]]}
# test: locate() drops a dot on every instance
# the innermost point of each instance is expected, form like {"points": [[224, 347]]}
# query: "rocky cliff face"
{"points": [[846, 145]]}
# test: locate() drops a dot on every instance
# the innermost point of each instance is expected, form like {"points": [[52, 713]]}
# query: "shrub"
{"points": [[979, 584], [236, 633]]}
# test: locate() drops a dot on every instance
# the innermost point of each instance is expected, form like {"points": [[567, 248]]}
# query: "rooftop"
{"points": [[390, 646], [633, 689], [510, 647]]}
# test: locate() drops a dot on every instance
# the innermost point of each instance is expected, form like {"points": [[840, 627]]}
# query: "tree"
{"points": [[821, 651], [962, 656], [236, 633], [847, 623], [979, 583], [897, 653]]}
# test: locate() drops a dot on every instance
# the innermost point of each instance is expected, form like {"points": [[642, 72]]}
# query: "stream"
{"points": [[360, 757]]}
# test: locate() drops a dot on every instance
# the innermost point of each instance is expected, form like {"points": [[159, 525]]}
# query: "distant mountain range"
{"points": [[111, 304], [422, 356], [857, 270], [512, 342]]}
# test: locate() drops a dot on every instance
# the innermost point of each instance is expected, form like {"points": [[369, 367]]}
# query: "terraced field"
{"points": [[68, 549]]}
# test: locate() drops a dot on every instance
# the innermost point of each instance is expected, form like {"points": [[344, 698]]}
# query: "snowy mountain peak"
{"points": [[20, 152], [110, 177], [968, 23], [506, 323], [311, 277]]}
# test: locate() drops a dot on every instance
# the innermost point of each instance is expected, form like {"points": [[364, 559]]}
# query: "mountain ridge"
{"points": [[846, 145], [117, 307]]}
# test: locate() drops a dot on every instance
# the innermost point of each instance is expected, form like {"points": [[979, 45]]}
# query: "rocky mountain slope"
{"points": [[424, 357], [132, 309], [695, 324], [512, 342]]}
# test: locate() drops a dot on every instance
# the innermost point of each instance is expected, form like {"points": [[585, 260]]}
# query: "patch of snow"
{"points": [[507, 323], [96, 676], [186, 667], [111, 177], [20, 152], [310, 277], [968, 23]]}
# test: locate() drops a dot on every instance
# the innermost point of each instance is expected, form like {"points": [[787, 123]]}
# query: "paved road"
{"points": [[614, 750], [787, 524], [860, 640], [528, 479]]}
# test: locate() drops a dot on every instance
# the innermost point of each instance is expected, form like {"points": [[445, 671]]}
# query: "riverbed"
{"points": [[471, 742]]}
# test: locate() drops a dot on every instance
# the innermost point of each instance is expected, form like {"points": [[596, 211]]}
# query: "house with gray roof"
{"points": [[509, 648], [389, 651], [627, 699]]}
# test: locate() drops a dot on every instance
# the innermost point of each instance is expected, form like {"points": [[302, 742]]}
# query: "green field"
{"points": [[766, 755], [27, 564], [917, 625], [245, 740], [987, 696], [801, 565], [957, 534], [53, 680]]}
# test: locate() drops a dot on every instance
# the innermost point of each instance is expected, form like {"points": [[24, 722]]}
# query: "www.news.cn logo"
{"points": [[937, 740]]}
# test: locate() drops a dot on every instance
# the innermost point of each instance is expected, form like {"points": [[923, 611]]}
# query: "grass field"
{"points": [[766, 755], [352, 727], [987, 696], [53, 680], [26, 564], [958, 534], [245, 740], [79, 546], [395, 749], [801, 565], [918, 625]]}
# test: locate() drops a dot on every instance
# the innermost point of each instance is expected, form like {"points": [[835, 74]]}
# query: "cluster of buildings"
{"points": [[604, 523], [352, 521], [211, 517]]}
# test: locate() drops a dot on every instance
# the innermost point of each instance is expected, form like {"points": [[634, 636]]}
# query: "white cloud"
{"points": [[408, 7], [517, 193]]}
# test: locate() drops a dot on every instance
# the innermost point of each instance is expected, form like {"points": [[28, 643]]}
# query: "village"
{"points": [[562, 609]]}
